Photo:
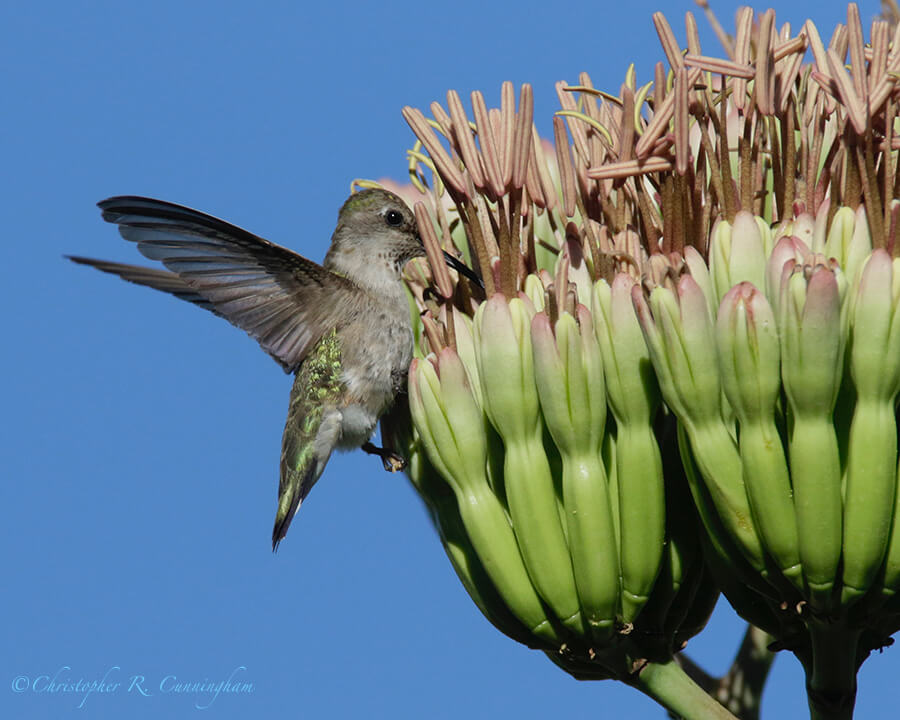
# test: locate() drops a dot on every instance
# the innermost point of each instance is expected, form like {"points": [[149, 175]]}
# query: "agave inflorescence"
{"points": [[721, 239], [530, 399]]}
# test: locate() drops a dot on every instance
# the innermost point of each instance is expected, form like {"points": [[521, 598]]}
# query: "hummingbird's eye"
{"points": [[392, 217]]}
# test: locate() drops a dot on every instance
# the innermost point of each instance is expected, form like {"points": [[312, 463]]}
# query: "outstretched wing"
{"points": [[149, 277], [278, 297]]}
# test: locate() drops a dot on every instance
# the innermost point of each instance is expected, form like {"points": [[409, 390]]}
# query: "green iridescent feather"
{"points": [[317, 387]]}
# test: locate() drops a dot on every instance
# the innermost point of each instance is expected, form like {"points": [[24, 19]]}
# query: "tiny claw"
{"points": [[392, 461]]}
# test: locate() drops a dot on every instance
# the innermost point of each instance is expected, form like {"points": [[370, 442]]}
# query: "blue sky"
{"points": [[141, 436]]}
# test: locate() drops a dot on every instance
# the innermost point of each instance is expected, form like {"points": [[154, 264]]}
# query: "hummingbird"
{"points": [[342, 328]]}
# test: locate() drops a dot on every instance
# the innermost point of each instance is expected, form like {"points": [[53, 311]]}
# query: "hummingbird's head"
{"points": [[376, 234]]}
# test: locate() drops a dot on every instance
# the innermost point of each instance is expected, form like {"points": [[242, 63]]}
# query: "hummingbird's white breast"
{"points": [[376, 349]]}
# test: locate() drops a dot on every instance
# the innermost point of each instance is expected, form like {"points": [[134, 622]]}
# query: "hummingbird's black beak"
{"points": [[463, 269]]}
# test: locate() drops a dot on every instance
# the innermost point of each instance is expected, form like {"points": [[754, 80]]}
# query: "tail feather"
{"points": [[305, 449], [292, 493], [311, 431]]}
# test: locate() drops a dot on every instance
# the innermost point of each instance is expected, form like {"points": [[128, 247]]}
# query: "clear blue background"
{"points": [[141, 436]]}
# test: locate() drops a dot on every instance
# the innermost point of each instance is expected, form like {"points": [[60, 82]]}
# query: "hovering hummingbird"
{"points": [[342, 327]]}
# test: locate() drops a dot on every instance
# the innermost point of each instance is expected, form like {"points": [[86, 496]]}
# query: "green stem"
{"points": [[740, 689], [671, 687], [831, 676]]}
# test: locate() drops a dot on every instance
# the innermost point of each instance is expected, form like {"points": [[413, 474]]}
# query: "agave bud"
{"points": [[633, 399], [397, 431], [680, 322], [871, 477], [738, 253], [788, 248], [679, 335], [577, 269], [700, 272], [465, 348], [802, 227], [449, 421], [505, 365], [633, 394], [569, 377], [750, 366], [849, 241], [534, 290], [812, 368]]}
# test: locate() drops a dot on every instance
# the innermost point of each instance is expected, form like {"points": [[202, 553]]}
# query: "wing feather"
{"points": [[279, 298], [148, 277]]}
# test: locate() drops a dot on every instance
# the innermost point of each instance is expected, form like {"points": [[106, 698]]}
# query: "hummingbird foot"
{"points": [[392, 461]]}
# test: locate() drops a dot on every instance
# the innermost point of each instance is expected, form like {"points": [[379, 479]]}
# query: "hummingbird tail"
{"points": [[299, 483], [311, 431]]}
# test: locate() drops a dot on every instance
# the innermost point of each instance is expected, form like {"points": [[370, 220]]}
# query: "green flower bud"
{"points": [[465, 348], [812, 367], [788, 248], [630, 382], [700, 272], [738, 253], [871, 477], [449, 421], [505, 364], [802, 227], [849, 241], [811, 337], [749, 361], [569, 376], [534, 289], [719, 253], [679, 334], [633, 399], [577, 270], [819, 237]]}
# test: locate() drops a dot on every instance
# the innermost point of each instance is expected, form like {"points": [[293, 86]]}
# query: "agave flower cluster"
{"points": [[716, 247], [529, 405]]}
